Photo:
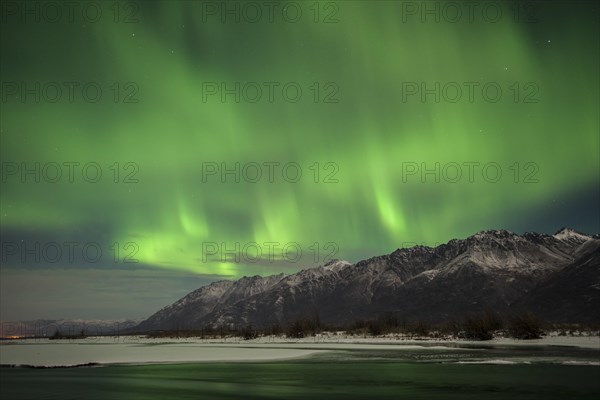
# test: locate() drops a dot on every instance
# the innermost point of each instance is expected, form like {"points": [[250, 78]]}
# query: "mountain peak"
{"points": [[497, 233], [335, 264], [568, 233]]}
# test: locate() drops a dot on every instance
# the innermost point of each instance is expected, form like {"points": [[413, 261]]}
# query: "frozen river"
{"points": [[136, 368], [139, 350]]}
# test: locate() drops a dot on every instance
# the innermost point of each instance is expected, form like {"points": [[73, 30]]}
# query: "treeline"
{"points": [[297, 328], [480, 326], [477, 326], [60, 335]]}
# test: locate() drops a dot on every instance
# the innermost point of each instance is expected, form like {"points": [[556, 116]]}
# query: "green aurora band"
{"points": [[369, 54]]}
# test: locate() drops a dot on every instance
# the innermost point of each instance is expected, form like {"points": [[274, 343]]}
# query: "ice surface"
{"points": [[138, 350]]}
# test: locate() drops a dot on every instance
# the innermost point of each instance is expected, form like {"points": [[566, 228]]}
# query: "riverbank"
{"points": [[141, 350]]}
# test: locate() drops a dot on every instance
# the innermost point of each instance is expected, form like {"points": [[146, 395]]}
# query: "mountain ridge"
{"points": [[492, 269]]}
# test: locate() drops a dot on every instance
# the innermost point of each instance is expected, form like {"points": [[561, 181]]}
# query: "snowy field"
{"points": [[140, 350]]}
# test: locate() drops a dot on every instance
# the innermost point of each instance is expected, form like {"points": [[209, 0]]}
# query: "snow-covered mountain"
{"points": [[556, 276], [48, 327]]}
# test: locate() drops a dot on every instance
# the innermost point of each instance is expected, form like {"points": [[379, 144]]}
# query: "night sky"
{"points": [[375, 125]]}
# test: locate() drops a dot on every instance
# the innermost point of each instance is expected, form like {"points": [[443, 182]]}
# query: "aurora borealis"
{"points": [[386, 92]]}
